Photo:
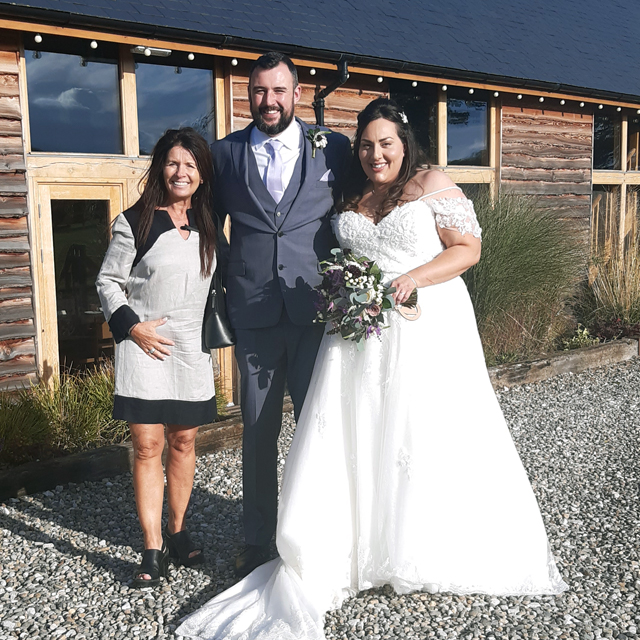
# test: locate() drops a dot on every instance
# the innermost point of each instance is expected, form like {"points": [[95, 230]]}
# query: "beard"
{"points": [[286, 116]]}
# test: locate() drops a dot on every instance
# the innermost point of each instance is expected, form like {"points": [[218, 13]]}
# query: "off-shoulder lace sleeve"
{"points": [[457, 214]]}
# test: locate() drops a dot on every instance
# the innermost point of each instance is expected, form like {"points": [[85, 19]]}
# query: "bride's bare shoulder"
{"points": [[431, 180]]}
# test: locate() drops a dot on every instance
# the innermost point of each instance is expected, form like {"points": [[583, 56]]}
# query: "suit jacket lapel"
{"points": [[307, 179], [242, 150]]}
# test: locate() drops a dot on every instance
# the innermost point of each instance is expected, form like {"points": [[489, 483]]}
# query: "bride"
{"points": [[402, 470]]}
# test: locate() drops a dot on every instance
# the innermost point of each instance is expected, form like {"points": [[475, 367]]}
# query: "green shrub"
{"points": [[24, 428], [581, 338], [72, 414], [521, 289]]}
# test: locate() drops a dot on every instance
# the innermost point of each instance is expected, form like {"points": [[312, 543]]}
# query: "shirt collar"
{"points": [[290, 137]]}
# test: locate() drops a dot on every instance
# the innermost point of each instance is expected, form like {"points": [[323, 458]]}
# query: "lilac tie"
{"points": [[274, 170]]}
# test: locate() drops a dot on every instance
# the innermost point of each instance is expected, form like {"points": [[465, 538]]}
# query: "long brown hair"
{"points": [[414, 157], [154, 192]]}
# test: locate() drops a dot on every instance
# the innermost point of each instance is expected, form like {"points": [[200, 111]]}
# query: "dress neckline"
{"points": [[422, 199]]}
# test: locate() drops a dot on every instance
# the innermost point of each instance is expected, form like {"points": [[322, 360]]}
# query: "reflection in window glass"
{"points": [[633, 145], [606, 142], [169, 100], [420, 106], [80, 239], [74, 103], [605, 217], [467, 132]]}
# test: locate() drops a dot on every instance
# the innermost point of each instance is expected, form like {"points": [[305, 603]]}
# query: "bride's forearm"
{"points": [[451, 263]]}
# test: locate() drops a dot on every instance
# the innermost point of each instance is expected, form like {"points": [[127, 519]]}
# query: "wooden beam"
{"points": [[442, 128], [71, 167], [223, 98], [129, 103], [213, 50], [494, 144], [471, 175], [24, 100]]}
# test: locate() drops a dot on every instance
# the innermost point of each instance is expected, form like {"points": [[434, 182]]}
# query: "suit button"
{"points": [[280, 234], [281, 267], [279, 213]]}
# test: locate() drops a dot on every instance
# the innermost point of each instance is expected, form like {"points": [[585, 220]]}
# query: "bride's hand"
{"points": [[404, 286]]}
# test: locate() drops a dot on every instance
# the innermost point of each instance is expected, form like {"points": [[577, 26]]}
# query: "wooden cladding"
{"points": [[548, 154], [17, 332], [341, 108]]}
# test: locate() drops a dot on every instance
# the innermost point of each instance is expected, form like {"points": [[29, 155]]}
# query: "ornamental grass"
{"points": [[70, 415], [525, 283], [610, 305]]}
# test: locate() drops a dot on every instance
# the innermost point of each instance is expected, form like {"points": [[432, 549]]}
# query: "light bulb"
{"points": [[380, 78], [496, 94], [540, 99], [444, 87], [38, 38], [94, 44], [471, 90], [414, 84], [147, 52], [562, 101], [191, 56], [234, 62], [519, 96], [312, 72]]}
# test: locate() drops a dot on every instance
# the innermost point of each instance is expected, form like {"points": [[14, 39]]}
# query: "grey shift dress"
{"points": [[159, 280]]}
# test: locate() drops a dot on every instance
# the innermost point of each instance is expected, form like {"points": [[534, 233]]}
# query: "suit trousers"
{"points": [[268, 358]]}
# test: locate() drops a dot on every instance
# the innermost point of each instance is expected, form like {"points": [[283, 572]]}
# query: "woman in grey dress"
{"points": [[153, 286]]}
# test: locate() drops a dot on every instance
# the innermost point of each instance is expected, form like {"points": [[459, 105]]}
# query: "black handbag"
{"points": [[216, 329]]}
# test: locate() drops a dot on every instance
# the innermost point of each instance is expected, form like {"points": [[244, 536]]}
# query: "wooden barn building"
{"points": [[533, 97]]}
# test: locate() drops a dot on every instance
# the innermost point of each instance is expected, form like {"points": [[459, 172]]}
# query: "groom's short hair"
{"points": [[271, 60]]}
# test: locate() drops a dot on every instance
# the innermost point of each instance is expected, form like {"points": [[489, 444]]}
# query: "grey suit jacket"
{"points": [[271, 262]]}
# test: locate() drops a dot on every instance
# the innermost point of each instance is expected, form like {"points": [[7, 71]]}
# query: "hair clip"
{"points": [[403, 117]]}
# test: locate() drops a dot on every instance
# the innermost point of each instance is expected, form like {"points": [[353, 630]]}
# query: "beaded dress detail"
{"points": [[402, 469]]}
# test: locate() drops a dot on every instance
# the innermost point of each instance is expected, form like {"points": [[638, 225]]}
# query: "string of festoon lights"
{"points": [[155, 51]]}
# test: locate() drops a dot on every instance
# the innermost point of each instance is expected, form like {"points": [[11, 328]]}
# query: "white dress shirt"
{"points": [[291, 139]]}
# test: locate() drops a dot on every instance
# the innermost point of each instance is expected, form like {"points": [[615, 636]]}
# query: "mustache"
{"points": [[265, 109]]}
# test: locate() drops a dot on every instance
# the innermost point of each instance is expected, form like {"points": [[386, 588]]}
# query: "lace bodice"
{"points": [[407, 236]]}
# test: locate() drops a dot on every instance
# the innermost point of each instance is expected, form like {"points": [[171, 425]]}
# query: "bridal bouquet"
{"points": [[352, 297]]}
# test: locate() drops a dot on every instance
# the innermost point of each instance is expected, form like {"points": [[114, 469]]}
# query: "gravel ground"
{"points": [[66, 556]]}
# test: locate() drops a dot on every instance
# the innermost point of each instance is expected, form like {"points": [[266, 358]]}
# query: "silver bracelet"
{"points": [[412, 280]]}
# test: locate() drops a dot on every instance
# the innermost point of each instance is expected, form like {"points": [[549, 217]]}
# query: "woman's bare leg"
{"points": [[148, 480], [180, 466]]}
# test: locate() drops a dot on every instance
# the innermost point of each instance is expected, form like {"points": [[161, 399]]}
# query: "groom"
{"points": [[279, 188]]}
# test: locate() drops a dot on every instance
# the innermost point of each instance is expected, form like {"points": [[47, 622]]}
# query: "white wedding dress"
{"points": [[402, 470]]}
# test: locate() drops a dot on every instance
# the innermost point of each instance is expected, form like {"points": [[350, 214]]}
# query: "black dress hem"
{"points": [[183, 412]]}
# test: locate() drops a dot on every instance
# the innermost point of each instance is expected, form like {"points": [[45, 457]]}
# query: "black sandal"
{"points": [[155, 563], [181, 547]]}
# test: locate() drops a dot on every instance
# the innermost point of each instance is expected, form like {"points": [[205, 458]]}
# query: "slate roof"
{"points": [[585, 44]]}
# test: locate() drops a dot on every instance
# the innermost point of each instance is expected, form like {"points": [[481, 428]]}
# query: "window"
{"points": [[633, 145], [80, 239], [170, 97], [74, 98], [606, 142], [421, 108], [605, 218], [467, 129]]}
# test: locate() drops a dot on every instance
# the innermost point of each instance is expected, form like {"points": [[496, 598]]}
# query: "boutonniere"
{"points": [[318, 139]]}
